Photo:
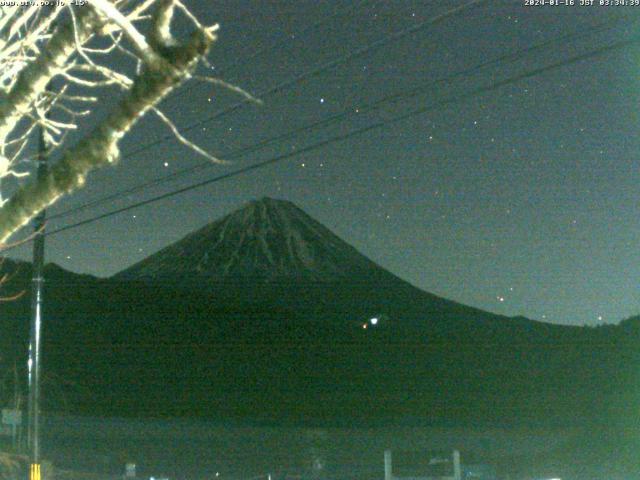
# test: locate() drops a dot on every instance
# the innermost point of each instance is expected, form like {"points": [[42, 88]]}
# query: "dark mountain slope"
{"points": [[259, 316], [267, 240]]}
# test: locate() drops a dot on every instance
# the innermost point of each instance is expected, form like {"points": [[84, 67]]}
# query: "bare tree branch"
{"points": [[34, 77], [100, 147], [188, 143], [34, 53]]}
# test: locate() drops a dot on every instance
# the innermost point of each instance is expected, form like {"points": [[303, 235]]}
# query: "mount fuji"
{"points": [[266, 315], [266, 239]]}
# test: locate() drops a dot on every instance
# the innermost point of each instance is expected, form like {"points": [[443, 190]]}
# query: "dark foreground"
{"points": [[187, 449]]}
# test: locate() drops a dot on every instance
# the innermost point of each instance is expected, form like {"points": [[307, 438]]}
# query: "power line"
{"points": [[278, 43], [506, 58], [357, 132], [321, 68], [316, 71]]}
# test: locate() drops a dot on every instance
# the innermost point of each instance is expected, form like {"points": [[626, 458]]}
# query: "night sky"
{"points": [[522, 200]]}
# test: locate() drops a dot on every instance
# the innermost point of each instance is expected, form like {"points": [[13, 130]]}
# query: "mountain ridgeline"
{"points": [[268, 240], [267, 316]]}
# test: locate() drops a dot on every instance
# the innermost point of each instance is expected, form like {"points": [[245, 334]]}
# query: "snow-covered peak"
{"points": [[265, 239]]}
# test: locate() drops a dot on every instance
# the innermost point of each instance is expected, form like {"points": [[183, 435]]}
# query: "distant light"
{"points": [[217, 474], [374, 321], [322, 100], [364, 325], [166, 164]]}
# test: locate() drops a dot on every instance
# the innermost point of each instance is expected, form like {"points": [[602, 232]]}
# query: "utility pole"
{"points": [[35, 340], [18, 427]]}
